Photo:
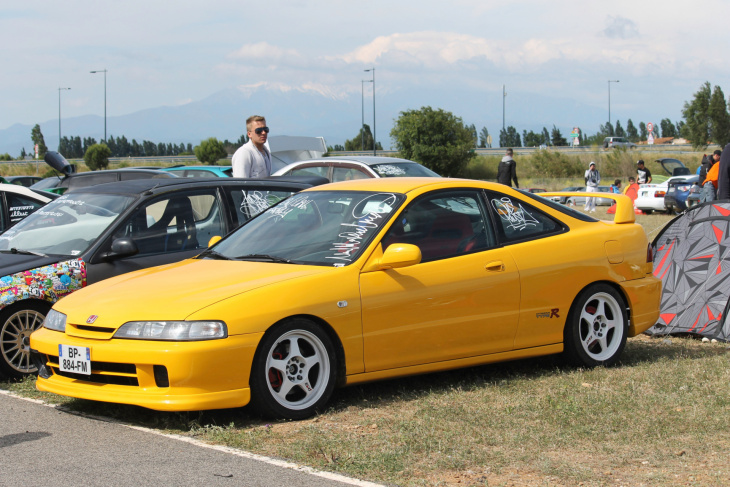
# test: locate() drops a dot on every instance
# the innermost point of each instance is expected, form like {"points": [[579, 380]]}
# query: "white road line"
{"points": [[224, 449]]}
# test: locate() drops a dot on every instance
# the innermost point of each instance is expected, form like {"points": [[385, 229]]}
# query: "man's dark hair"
{"points": [[509, 152]]}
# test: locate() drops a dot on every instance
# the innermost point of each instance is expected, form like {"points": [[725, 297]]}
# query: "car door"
{"points": [[549, 265], [462, 300], [166, 228]]}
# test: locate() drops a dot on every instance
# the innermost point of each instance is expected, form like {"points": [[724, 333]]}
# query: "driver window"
{"points": [[444, 225], [176, 223]]}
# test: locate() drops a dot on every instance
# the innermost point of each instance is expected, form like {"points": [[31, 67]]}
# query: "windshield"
{"points": [[66, 226], [402, 169], [328, 228]]}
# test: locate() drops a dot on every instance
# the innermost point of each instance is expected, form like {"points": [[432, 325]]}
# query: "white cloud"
{"points": [[620, 28], [264, 51]]}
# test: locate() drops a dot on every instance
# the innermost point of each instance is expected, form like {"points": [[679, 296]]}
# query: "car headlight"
{"points": [[173, 330], [55, 321]]}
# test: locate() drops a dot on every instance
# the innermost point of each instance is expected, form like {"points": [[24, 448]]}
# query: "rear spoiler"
{"points": [[624, 204]]}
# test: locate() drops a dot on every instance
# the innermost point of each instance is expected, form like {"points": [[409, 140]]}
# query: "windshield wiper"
{"points": [[272, 258], [213, 255], [23, 252]]}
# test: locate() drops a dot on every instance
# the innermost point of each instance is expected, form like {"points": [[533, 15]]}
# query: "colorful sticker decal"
{"points": [[49, 283]]}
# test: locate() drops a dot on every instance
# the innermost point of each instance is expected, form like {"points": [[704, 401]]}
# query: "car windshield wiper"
{"points": [[23, 252], [272, 258], [213, 255]]}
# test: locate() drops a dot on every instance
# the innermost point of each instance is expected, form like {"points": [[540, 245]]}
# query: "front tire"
{"points": [[597, 327], [16, 325], [294, 371]]}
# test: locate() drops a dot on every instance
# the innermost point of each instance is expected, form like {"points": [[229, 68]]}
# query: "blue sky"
{"points": [[172, 53]]}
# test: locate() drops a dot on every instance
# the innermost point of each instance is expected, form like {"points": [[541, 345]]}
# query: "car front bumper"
{"points": [[165, 376]]}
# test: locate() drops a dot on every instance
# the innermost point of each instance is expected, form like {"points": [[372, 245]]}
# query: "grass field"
{"points": [[661, 417]]}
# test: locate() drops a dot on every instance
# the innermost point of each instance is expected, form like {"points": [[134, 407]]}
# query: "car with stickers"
{"points": [[17, 202], [344, 168], [93, 233], [352, 282]]}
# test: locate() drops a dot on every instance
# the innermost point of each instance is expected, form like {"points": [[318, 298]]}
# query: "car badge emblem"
{"points": [[91, 319]]}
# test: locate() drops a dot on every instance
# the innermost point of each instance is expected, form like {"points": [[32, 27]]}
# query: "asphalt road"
{"points": [[44, 446]]}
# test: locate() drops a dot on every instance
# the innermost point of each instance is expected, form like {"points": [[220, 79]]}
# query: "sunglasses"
{"points": [[261, 130]]}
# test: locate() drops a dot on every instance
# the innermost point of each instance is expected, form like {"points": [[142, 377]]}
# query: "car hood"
{"points": [[175, 291], [14, 263]]}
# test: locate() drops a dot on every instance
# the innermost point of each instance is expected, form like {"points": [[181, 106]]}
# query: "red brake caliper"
{"points": [[274, 375]]}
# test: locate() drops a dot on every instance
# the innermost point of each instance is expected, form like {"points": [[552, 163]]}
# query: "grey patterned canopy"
{"points": [[692, 258]]}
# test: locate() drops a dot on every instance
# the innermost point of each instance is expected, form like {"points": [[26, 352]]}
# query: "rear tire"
{"points": [[294, 371], [16, 324], [597, 326]]}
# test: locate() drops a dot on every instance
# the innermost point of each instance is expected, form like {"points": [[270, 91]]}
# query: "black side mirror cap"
{"points": [[122, 247]]}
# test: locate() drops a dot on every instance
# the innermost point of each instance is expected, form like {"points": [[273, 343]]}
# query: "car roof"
{"points": [[25, 191], [138, 186], [369, 160], [406, 184]]}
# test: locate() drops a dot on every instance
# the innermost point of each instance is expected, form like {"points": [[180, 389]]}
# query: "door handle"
{"points": [[496, 266]]}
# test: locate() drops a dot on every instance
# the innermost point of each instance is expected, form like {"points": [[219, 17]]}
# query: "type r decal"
{"points": [[553, 313]]}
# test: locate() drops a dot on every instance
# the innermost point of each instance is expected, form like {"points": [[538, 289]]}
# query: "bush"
{"points": [[97, 157], [5, 157], [210, 151]]}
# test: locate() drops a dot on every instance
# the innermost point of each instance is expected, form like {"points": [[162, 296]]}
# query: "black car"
{"points": [[72, 180], [94, 233]]}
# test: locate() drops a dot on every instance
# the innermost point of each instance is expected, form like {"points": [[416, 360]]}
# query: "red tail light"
{"points": [[649, 253]]}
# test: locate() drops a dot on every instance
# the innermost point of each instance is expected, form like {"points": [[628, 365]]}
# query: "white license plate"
{"points": [[74, 359]]}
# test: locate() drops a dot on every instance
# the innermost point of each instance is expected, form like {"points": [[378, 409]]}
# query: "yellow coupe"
{"points": [[351, 282]]}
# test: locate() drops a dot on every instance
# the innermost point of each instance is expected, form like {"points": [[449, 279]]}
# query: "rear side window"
{"points": [[517, 221]]}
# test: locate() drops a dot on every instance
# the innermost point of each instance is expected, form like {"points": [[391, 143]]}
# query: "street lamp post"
{"points": [[609, 98], [362, 124], [375, 140], [504, 96], [103, 71], [59, 116]]}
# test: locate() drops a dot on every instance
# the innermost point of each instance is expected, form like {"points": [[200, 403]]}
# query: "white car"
{"points": [[17, 202], [342, 168], [651, 196]]}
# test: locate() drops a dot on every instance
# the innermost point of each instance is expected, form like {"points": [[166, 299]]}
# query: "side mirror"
{"points": [[214, 240], [59, 163], [122, 247], [399, 255]]}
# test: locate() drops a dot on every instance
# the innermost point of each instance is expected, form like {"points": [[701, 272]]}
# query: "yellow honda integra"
{"points": [[352, 282]]}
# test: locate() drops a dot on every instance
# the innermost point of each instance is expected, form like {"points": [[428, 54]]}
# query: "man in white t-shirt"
{"points": [[593, 178], [253, 159]]}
